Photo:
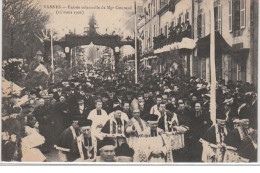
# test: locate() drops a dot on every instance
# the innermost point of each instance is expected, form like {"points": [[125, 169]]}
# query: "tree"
{"points": [[92, 24], [21, 20]]}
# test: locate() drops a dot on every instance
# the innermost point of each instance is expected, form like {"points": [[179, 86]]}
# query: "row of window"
{"points": [[236, 17], [153, 7]]}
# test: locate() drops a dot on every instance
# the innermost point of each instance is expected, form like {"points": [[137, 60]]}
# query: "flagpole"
{"points": [[52, 58], [212, 65], [136, 76]]}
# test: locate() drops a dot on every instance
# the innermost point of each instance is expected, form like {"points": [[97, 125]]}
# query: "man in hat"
{"points": [[153, 130], [129, 97], [206, 101], [61, 109], [115, 126], [215, 135], [172, 123], [59, 92], [154, 147], [183, 110], [85, 146], [245, 110], [118, 97], [40, 111], [37, 59], [135, 126], [200, 122], [89, 100], [230, 111], [39, 55], [148, 101], [81, 110], [72, 96], [169, 122], [244, 138], [98, 115], [171, 105], [107, 150], [124, 153], [66, 140]]}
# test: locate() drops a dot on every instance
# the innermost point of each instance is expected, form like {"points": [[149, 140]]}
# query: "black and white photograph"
{"points": [[129, 81]]}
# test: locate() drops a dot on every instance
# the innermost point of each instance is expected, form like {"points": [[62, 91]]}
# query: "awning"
{"points": [[221, 47], [186, 43]]}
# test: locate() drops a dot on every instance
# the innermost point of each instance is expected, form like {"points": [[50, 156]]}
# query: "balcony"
{"points": [[175, 35]]}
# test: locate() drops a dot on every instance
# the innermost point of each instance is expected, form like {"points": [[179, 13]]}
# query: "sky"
{"points": [[74, 15]]}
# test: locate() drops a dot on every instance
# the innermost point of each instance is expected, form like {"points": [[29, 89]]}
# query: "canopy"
{"points": [[221, 47], [186, 43]]}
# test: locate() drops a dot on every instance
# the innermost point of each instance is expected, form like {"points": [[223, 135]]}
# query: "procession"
{"points": [[82, 98]]}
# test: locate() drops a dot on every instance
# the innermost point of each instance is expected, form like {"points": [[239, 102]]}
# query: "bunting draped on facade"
{"points": [[222, 47]]}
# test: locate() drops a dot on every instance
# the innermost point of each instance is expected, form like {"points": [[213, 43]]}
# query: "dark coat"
{"points": [[171, 107], [199, 124], [76, 112], [56, 95], [210, 135], [66, 141], [106, 128], [244, 147]]}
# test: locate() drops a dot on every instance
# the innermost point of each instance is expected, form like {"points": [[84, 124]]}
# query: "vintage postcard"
{"points": [[121, 81]]}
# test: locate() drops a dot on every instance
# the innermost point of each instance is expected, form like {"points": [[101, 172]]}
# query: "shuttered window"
{"points": [[230, 21], [203, 25], [219, 18], [242, 14]]}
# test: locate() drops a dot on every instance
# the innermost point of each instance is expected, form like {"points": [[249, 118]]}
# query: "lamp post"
{"points": [[116, 50]]}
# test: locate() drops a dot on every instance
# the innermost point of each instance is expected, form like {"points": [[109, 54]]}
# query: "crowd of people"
{"points": [[164, 118]]}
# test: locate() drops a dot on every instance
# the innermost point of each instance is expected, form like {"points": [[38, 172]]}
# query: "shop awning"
{"points": [[221, 47]]}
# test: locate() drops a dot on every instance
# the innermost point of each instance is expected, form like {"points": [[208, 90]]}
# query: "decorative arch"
{"points": [[72, 40]]}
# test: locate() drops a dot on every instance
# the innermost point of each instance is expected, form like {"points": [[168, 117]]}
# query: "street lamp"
{"points": [[117, 49], [67, 49]]}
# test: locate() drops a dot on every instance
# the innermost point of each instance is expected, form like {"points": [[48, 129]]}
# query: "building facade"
{"points": [[235, 20]]}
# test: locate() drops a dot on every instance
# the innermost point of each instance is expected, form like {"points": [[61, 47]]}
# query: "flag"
{"points": [[41, 68], [39, 76]]}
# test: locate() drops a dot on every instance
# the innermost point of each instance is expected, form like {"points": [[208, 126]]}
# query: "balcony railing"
{"points": [[175, 35]]}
